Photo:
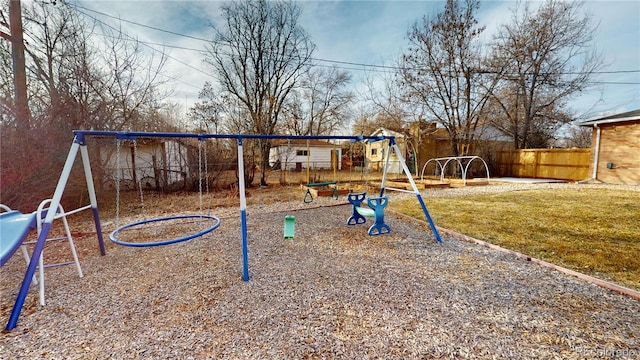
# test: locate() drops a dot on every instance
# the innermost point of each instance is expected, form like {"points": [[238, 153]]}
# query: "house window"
{"points": [[302, 153], [374, 152]]}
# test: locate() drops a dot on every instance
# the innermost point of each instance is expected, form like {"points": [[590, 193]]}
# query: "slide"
{"points": [[14, 228]]}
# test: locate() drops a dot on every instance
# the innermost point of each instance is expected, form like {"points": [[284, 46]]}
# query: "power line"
{"points": [[339, 62], [129, 38], [613, 83], [150, 44], [138, 24]]}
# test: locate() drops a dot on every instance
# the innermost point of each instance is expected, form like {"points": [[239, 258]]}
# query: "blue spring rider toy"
{"points": [[375, 210]]}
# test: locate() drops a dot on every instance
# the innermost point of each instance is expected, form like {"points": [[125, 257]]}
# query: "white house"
{"points": [[298, 154]]}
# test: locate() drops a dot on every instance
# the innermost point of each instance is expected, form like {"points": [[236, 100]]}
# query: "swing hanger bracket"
{"points": [[125, 136]]}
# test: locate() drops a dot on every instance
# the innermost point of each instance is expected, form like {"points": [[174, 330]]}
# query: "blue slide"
{"points": [[14, 228]]}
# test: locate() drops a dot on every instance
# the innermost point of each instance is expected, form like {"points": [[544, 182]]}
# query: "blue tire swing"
{"points": [[114, 235]]}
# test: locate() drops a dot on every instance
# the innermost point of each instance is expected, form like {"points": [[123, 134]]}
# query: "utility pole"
{"points": [[19, 66]]}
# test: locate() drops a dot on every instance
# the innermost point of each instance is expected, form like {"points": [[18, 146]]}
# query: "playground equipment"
{"points": [[440, 167], [375, 210], [15, 225], [40, 215], [308, 196], [332, 185], [115, 236], [16, 234], [289, 227], [207, 223]]}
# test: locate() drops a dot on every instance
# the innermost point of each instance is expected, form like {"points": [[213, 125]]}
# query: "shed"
{"points": [[615, 148], [375, 152], [298, 154], [153, 163]]}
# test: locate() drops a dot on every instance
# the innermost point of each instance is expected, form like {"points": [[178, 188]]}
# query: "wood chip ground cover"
{"points": [[332, 292]]}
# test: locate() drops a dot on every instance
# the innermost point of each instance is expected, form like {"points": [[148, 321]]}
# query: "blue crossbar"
{"points": [[14, 228]]}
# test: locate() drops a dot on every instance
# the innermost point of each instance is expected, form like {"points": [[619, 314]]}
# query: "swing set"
{"points": [[13, 239]]}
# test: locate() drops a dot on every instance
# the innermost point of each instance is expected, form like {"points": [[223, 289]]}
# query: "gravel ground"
{"points": [[332, 292]]}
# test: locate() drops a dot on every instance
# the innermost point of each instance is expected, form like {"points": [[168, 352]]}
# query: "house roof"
{"points": [[618, 118], [386, 132]]}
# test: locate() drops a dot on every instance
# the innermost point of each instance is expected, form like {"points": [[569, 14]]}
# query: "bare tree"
{"points": [[77, 80], [369, 122], [578, 136], [440, 71], [322, 105], [11, 30], [547, 56], [207, 113], [134, 79], [259, 55], [391, 108], [6, 88]]}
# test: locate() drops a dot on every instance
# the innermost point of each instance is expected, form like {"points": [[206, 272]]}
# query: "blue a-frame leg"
{"points": [[78, 145]]}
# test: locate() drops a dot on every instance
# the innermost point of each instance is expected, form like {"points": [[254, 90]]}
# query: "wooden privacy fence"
{"points": [[562, 164]]}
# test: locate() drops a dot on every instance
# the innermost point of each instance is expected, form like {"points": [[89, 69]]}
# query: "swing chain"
{"points": [[138, 181], [206, 175], [202, 153], [118, 178], [200, 174]]}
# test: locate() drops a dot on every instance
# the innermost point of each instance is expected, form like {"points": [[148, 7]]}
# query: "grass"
{"points": [[593, 231]]}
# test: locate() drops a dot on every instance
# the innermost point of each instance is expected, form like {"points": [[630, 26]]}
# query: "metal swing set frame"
{"points": [[79, 145]]}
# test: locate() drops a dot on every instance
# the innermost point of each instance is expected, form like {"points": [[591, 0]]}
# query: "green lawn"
{"points": [[593, 231]]}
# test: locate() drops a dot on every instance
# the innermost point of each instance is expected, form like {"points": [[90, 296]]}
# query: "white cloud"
{"points": [[370, 32]]}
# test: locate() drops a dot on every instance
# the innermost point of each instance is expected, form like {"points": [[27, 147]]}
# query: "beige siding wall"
{"points": [[375, 161], [620, 147]]}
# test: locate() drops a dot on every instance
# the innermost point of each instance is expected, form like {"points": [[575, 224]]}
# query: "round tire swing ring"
{"points": [[114, 235]]}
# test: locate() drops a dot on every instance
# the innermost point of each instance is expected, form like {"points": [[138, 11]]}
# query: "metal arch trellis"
{"points": [[79, 145], [464, 169]]}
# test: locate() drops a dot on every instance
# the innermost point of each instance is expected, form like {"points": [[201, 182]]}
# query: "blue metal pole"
{"points": [[417, 192], [243, 212], [31, 269], [428, 216], [92, 192]]}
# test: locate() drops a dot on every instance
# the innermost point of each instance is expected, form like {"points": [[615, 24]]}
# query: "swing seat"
{"points": [[308, 196], [365, 211], [289, 227], [375, 210], [321, 183]]}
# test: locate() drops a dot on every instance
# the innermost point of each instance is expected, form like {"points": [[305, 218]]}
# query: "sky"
{"points": [[360, 33]]}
